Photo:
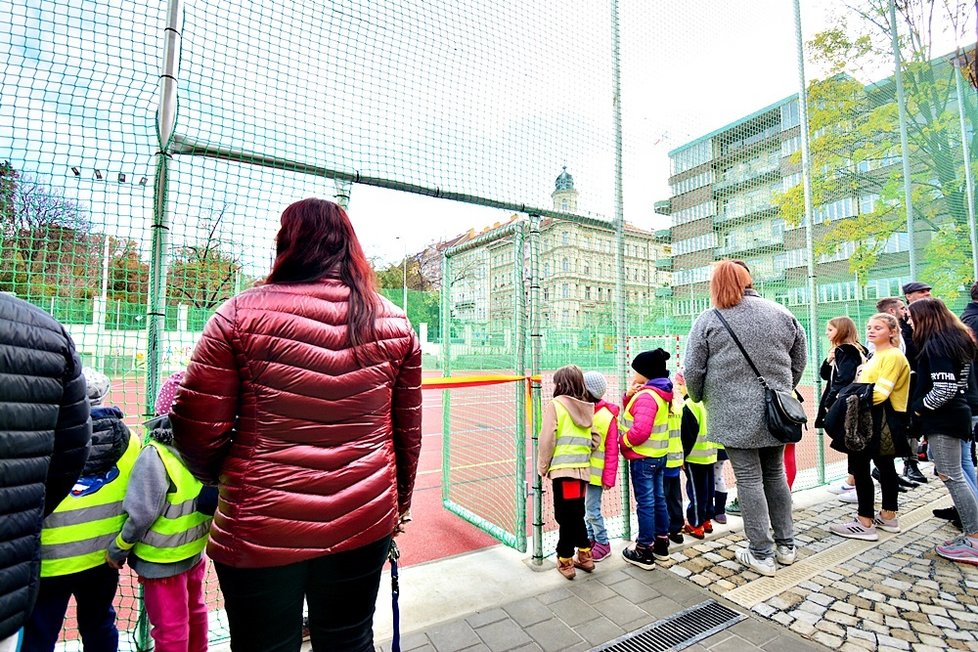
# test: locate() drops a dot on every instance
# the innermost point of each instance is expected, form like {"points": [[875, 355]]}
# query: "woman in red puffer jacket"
{"points": [[303, 403]]}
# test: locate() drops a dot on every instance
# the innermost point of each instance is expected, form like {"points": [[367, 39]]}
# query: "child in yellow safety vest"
{"points": [[604, 462], [168, 521], [564, 455], [74, 536], [644, 441], [700, 454]]}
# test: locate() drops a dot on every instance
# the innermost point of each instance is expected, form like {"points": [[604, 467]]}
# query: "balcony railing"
{"points": [[740, 177], [747, 245]]}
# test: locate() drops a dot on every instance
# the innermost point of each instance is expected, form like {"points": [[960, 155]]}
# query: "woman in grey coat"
{"points": [[718, 375]]}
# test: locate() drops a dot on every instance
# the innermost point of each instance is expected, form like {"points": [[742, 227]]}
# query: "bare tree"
{"points": [[47, 246], [203, 273]]}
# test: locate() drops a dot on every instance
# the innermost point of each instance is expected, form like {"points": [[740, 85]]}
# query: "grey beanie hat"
{"points": [[98, 385], [595, 384]]}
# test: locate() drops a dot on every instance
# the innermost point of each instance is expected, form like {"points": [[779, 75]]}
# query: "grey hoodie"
{"points": [[582, 413], [145, 502]]}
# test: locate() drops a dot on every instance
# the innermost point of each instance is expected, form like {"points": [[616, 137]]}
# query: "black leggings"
{"points": [[860, 470], [264, 605]]}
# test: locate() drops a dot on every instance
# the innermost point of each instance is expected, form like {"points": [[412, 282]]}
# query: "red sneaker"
{"points": [[693, 531]]}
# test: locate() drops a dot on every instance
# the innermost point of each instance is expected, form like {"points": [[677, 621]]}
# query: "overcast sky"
{"points": [[484, 98]]}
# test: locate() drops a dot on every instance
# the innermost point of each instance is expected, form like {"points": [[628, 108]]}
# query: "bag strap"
{"points": [[740, 346], [392, 555]]}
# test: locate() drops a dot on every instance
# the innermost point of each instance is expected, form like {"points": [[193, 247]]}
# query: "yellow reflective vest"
{"points": [[704, 451], [573, 446], [76, 534], [601, 424], [657, 444], [674, 454], [181, 531]]}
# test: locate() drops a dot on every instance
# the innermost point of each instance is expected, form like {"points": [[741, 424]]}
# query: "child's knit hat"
{"points": [[167, 393], [98, 385], [595, 384]]}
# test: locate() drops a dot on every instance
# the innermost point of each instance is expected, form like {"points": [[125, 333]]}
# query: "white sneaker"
{"points": [[762, 566], [849, 497], [785, 555], [842, 488]]}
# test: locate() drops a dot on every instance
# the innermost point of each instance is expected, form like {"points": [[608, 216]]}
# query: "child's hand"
{"points": [[608, 487], [113, 563]]}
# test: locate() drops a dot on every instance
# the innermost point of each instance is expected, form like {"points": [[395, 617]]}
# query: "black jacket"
{"points": [[943, 409], [44, 438], [970, 317], [848, 357]]}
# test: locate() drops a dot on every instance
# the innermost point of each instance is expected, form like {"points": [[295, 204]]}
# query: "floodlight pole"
{"points": [[904, 147], [806, 179], [969, 184], [620, 317]]}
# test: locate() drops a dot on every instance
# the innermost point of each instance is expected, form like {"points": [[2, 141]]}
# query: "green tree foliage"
{"points": [[128, 272], [855, 136]]}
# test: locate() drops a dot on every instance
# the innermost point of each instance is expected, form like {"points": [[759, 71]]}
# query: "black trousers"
{"points": [[94, 590], [673, 488], [569, 514], [264, 605], [701, 492], [860, 470]]}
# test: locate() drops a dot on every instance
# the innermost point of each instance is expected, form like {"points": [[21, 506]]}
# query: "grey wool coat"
{"points": [[717, 373]]}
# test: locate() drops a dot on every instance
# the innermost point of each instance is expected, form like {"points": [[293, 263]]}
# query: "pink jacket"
{"points": [[610, 474], [644, 412]]}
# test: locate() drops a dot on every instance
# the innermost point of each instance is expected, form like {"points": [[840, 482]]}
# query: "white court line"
{"points": [[467, 466]]}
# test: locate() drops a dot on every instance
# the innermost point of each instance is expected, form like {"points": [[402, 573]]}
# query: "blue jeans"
{"points": [[968, 466], [650, 498], [595, 521]]}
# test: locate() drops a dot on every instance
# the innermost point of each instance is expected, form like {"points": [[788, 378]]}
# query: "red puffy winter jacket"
{"points": [[314, 453]]}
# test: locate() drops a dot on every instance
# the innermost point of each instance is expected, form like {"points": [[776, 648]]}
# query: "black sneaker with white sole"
{"points": [[640, 556]]}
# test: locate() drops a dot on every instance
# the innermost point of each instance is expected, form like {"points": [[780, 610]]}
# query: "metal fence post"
{"points": [[535, 385]]}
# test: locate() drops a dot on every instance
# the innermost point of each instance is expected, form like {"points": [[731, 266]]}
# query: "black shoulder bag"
{"points": [[783, 413]]}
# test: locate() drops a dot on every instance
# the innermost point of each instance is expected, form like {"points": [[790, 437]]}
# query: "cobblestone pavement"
{"points": [[895, 594], [841, 594]]}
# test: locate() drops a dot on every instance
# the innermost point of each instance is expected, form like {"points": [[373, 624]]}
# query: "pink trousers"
{"points": [[177, 611]]}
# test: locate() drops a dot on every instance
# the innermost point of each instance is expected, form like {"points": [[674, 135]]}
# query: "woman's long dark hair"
{"points": [[317, 241], [938, 331]]}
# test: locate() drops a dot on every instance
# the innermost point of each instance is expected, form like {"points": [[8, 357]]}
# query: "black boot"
{"points": [[947, 513], [912, 473]]}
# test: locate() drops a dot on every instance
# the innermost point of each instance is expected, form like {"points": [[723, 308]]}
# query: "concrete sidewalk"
{"points": [[894, 594]]}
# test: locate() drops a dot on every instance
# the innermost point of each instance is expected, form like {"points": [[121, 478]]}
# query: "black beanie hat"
{"points": [[652, 364]]}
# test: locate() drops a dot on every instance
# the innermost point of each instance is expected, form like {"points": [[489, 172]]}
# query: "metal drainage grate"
{"points": [[677, 632]]}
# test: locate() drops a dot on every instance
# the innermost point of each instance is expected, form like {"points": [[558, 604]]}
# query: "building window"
{"points": [[587, 291], [565, 265], [563, 205], [546, 269], [565, 237], [565, 291]]}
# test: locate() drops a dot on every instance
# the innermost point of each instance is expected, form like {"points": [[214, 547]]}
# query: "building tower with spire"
{"points": [[564, 194]]}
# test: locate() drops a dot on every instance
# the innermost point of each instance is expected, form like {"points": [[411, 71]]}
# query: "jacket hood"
{"points": [[582, 413], [614, 409], [110, 439], [662, 387]]}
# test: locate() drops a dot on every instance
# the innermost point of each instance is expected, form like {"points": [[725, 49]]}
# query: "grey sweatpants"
{"points": [[765, 500]]}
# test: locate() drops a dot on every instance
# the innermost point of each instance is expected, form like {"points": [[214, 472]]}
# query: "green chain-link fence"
{"points": [[147, 150]]}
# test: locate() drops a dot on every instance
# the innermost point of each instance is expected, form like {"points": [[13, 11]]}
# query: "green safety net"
{"points": [[510, 106]]}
